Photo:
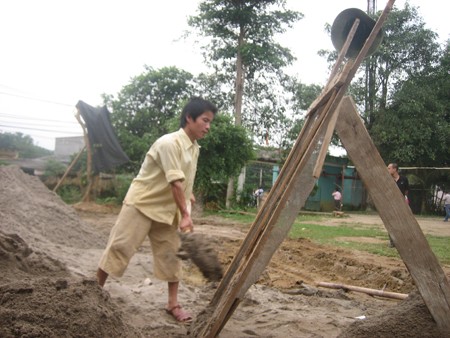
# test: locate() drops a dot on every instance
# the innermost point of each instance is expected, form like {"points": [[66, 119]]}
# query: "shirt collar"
{"points": [[186, 140]]}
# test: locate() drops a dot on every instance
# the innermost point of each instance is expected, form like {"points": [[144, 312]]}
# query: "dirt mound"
{"points": [[39, 297], [59, 307], [28, 208], [18, 261], [409, 319]]}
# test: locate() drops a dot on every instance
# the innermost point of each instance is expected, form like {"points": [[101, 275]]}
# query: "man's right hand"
{"points": [[186, 224]]}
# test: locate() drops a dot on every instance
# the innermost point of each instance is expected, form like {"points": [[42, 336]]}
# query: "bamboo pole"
{"points": [[373, 292], [69, 168], [86, 197]]}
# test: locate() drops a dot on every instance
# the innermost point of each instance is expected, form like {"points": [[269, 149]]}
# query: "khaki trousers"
{"points": [[128, 234]]}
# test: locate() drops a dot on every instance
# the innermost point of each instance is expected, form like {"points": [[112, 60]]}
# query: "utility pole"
{"points": [[369, 99], [371, 7]]}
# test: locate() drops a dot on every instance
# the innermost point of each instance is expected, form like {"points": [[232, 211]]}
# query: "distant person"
{"points": [[402, 181], [446, 202], [337, 196], [157, 204], [402, 184], [258, 194]]}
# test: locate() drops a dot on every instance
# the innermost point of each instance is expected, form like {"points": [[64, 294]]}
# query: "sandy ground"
{"points": [[49, 252]]}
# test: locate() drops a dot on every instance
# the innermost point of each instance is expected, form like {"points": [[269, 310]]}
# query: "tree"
{"points": [[224, 151], [242, 42], [149, 107], [415, 127], [408, 50], [143, 108], [301, 99], [23, 144]]}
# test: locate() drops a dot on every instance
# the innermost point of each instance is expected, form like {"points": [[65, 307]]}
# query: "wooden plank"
{"points": [[269, 229], [267, 209], [397, 216], [344, 48], [326, 143]]}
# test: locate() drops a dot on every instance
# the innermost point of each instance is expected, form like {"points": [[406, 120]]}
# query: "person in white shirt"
{"points": [[446, 202], [337, 199]]}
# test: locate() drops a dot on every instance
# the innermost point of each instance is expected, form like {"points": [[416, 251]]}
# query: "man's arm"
{"points": [[186, 223]]}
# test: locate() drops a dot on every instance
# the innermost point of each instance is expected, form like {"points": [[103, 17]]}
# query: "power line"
{"points": [[46, 130], [37, 99], [26, 118], [21, 124]]}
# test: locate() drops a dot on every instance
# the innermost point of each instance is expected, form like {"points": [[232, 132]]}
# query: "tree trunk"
{"points": [[239, 88]]}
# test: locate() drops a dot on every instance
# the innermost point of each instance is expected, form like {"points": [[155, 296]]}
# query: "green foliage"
{"points": [[223, 153], [223, 21], [243, 52], [23, 144], [121, 185], [70, 193], [408, 50], [143, 108], [302, 98], [54, 168], [415, 129]]}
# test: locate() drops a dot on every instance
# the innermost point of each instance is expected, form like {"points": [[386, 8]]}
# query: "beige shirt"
{"points": [[171, 158]]}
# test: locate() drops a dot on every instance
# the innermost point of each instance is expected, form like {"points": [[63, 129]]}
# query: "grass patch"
{"points": [[336, 235]]}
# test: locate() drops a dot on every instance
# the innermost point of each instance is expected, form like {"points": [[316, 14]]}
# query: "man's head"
{"points": [[196, 117], [194, 108], [393, 169]]}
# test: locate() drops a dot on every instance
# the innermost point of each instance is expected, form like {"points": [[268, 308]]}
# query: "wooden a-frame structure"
{"points": [[87, 147], [294, 184]]}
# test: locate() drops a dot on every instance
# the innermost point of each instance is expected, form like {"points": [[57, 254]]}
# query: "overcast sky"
{"points": [[54, 53]]}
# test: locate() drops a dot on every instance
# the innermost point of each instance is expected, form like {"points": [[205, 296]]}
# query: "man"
{"points": [[157, 204], [402, 181], [402, 184], [446, 202]]}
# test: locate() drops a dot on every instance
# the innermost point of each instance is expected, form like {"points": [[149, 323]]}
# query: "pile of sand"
{"points": [[39, 295]]}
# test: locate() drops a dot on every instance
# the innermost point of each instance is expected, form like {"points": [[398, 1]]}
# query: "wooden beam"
{"points": [[397, 216], [373, 292], [87, 194]]}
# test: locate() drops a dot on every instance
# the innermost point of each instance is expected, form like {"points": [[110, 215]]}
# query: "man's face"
{"points": [[391, 169], [200, 127]]}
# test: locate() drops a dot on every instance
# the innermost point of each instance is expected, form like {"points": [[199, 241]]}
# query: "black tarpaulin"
{"points": [[106, 150]]}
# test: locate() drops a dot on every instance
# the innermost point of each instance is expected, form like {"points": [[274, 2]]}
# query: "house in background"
{"points": [[65, 147], [336, 173]]}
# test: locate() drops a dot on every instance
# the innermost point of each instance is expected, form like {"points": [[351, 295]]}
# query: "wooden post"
{"points": [[87, 194], [397, 216]]}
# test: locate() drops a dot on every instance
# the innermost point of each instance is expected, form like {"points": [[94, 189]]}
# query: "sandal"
{"points": [[179, 314]]}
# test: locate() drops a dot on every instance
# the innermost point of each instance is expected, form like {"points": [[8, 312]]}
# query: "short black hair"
{"points": [[194, 108], [394, 165]]}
